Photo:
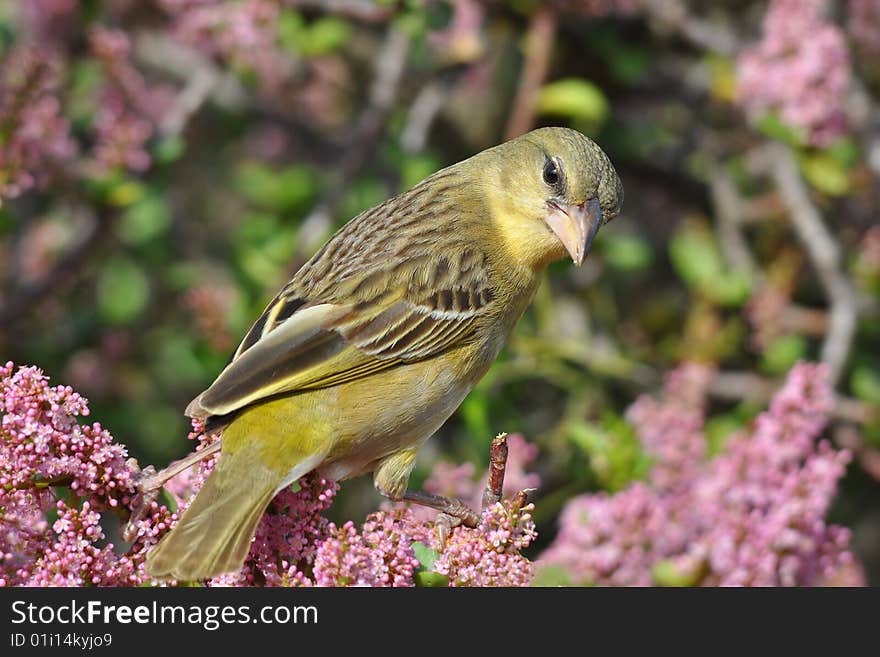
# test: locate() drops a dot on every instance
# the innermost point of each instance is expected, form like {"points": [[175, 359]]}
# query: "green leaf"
{"points": [[865, 383], [123, 290], [781, 354], [424, 576], [416, 168], [85, 76], [574, 98], [613, 448], [698, 261], [283, 189], [826, 173], [176, 363], [169, 149], [730, 289], [626, 252], [772, 126], [325, 35], [290, 27], [320, 37], [123, 192], [718, 429], [627, 59], [364, 194], [431, 580], [845, 151], [146, 218], [168, 500], [474, 411], [426, 556]]}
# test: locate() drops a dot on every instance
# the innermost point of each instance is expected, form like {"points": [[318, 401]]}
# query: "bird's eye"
{"points": [[552, 174]]}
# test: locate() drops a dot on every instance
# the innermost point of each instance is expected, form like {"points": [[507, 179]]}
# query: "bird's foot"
{"points": [[143, 500], [453, 512], [443, 526]]}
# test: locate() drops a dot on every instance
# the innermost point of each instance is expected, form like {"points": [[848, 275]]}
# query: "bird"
{"points": [[380, 336]]}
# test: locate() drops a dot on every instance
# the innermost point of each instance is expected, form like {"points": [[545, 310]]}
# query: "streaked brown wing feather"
{"points": [[351, 312], [419, 325]]}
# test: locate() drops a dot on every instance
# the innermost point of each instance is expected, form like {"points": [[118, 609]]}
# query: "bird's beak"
{"points": [[575, 226]]}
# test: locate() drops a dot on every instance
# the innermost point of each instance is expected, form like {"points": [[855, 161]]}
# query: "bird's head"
{"points": [[549, 192]]}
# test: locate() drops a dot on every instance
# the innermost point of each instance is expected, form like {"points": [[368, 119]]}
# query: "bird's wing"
{"points": [[411, 311]]}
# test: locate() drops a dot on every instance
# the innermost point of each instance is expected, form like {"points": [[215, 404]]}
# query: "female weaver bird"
{"points": [[380, 336]]}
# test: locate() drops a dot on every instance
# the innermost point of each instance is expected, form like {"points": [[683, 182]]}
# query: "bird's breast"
{"points": [[401, 407]]}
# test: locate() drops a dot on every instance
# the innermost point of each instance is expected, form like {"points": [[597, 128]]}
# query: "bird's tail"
{"points": [[214, 534]]}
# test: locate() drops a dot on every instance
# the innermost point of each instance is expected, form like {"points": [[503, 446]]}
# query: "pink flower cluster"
{"points": [[752, 516], [800, 70], [34, 135], [50, 465], [491, 554], [36, 143], [380, 555], [129, 108], [61, 483], [242, 33]]}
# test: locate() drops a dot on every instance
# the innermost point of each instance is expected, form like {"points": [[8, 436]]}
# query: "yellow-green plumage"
{"points": [[378, 338]]}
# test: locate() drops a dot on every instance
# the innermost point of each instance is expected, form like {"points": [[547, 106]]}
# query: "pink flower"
{"points": [[34, 136], [752, 516], [42, 446], [800, 69]]}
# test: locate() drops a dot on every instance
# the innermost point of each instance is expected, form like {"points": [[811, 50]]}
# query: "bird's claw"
{"points": [[456, 513], [443, 526], [146, 494]]}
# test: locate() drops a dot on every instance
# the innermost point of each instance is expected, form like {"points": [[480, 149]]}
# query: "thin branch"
{"points": [[428, 103], [497, 466], [824, 254], [168, 56], [539, 45], [198, 89], [728, 211], [710, 36]]}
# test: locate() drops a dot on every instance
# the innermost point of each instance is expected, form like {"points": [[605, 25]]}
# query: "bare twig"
{"points": [[424, 110], [157, 480], [164, 54], [728, 206], [366, 136], [676, 16], [197, 90], [497, 466], [824, 254], [539, 44]]}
